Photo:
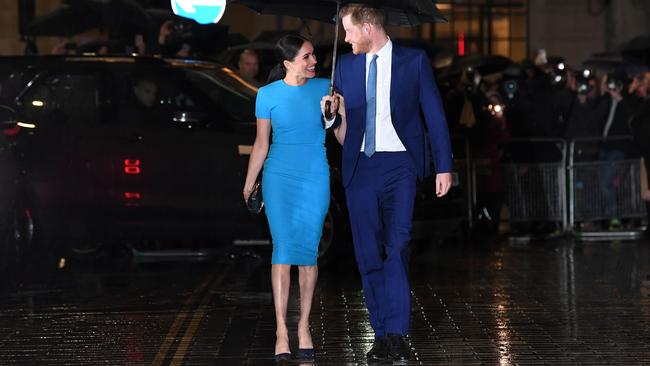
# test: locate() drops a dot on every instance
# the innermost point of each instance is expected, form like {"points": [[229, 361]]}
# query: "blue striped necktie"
{"points": [[371, 108]]}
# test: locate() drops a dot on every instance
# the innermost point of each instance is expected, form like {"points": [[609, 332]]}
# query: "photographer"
{"points": [[583, 117], [493, 127], [640, 127], [617, 106], [171, 41]]}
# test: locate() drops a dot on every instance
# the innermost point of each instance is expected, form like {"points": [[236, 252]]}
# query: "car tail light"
{"points": [[11, 131], [132, 166], [132, 199]]}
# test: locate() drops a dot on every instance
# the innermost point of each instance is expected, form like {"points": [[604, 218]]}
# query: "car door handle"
{"points": [[245, 149], [136, 137]]}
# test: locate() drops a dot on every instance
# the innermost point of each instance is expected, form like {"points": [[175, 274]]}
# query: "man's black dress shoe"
{"points": [[398, 348], [379, 350]]}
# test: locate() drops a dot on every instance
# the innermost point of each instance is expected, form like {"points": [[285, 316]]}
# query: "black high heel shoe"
{"points": [[282, 357], [306, 354]]}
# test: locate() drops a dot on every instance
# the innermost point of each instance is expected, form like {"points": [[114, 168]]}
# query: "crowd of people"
{"points": [[549, 100], [172, 41], [535, 99]]}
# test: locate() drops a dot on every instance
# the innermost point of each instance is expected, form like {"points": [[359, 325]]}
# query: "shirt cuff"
{"points": [[329, 122]]}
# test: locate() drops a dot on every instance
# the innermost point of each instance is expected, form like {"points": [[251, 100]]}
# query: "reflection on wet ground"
{"points": [[558, 303]]}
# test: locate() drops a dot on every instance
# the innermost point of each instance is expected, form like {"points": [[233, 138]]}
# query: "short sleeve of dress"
{"points": [[263, 104]]}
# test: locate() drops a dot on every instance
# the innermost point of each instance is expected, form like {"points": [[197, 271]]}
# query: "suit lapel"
{"points": [[359, 75], [394, 78], [359, 69]]}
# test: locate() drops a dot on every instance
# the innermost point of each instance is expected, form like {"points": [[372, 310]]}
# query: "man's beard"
{"points": [[363, 46]]}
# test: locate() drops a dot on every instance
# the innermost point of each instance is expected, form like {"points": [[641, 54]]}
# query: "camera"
{"points": [[615, 81], [510, 88], [582, 86], [558, 78], [496, 109], [583, 81], [470, 84], [471, 73]]}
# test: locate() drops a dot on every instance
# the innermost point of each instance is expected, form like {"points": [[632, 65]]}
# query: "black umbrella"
{"points": [[119, 17], [637, 48], [615, 61], [400, 13], [64, 22], [485, 65]]}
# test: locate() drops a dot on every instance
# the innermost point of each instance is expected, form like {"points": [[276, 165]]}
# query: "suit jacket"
{"points": [[414, 103]]}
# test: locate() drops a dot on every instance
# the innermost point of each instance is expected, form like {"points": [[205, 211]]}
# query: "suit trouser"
{"points": [[380, 200]]}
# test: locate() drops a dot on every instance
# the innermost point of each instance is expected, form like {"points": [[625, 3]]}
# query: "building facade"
{"points": [[513, 28]]}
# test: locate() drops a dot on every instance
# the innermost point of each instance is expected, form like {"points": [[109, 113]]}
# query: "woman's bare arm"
{"points": [[258, 155]]}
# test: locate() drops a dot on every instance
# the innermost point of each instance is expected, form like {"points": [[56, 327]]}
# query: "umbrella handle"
{"points": [[328, 104], [328, 114]]}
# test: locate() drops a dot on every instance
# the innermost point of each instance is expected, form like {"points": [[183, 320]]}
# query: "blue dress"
{"points": [[295, 183]]}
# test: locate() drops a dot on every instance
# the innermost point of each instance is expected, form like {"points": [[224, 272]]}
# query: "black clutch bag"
{"points": [[255, 203]]}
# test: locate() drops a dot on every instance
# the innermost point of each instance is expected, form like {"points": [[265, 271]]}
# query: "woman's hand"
{"points": [[247, 192], [334, 106]]}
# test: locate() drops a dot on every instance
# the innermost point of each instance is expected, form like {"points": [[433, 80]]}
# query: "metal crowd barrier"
{"points": [[451, 215], [534, 180], [604, 183], [550, 180]]}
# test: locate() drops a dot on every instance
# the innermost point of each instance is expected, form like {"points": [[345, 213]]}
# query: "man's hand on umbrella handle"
{"points": [[340, 104], [443, 183]]}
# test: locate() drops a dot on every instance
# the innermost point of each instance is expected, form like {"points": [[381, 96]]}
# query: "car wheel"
{"points": [[23, 234], [85, 248], [7, 245]]}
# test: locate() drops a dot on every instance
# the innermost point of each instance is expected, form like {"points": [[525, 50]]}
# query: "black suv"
{"points": [[134, 148], [128, 147]]}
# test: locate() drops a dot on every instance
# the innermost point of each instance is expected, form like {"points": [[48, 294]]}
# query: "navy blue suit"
{"points": [[380, 189]]}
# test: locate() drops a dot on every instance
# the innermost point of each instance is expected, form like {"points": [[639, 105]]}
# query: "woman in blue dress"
{"points": [[295, 181]]}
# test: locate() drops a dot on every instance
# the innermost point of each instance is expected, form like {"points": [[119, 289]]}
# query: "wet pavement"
{"points": [[547, 303]]}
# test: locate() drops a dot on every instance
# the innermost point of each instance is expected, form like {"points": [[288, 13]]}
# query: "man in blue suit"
{"points": [[389, 104]]}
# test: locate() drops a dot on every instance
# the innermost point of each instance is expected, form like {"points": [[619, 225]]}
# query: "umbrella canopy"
{"points": [[64, 22], [485, 65], [615, 61], [119, 17], [637, 48], [400, 13]]}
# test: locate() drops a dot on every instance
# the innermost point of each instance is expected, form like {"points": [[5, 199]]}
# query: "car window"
{"points": [[232, 96], [64, 97], [162, 98]]}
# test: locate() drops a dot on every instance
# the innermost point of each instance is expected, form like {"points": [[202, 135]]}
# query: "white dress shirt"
{"points": [[386, 138]]}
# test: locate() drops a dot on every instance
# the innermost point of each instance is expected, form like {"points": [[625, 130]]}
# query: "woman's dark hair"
{"points": [[287, 49]]}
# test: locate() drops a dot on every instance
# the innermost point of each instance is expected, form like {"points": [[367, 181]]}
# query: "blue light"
{"points": [[202, 11]]}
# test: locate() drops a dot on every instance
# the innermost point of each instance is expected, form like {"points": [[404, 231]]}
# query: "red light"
{"points": [[461, 44], [11, 131], [132, 195], [132, 166]]}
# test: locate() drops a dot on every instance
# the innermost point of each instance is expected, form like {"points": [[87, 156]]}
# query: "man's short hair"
{"points": [[248, 52], [363, 14]]}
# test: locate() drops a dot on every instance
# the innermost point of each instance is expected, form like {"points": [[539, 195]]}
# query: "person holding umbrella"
{"points": [[295, 182], [391, 104]]}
